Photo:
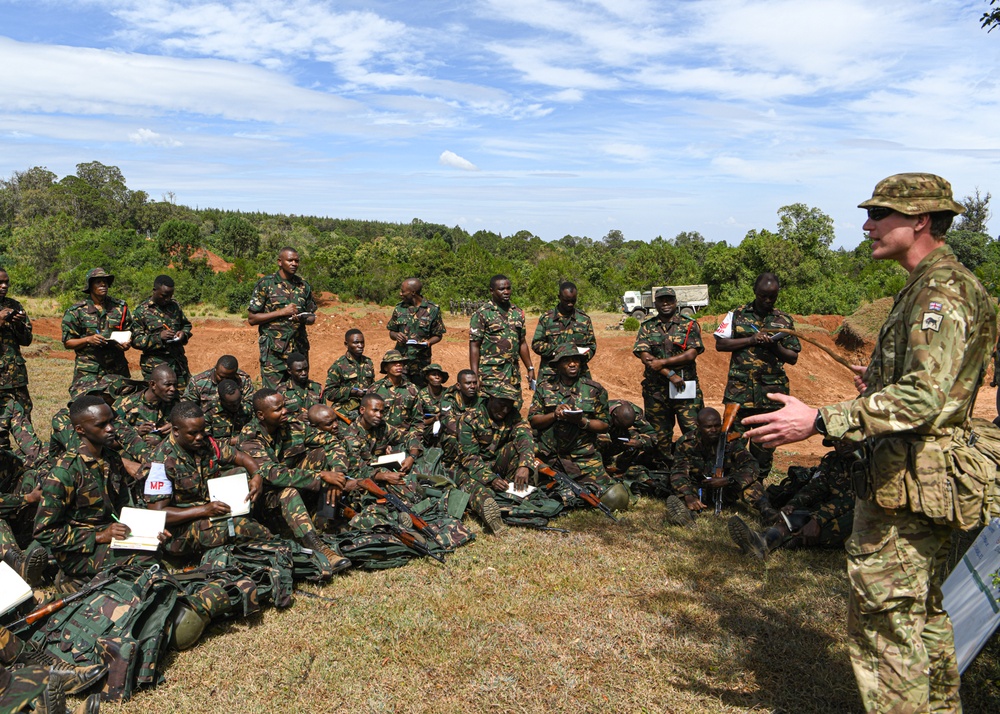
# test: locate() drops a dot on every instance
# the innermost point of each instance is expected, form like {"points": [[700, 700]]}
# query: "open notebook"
{"points": [[231, 490], [145, 525], [13, 590]]}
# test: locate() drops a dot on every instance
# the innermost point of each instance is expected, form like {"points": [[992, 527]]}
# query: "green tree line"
{"points": [[53, 230]]}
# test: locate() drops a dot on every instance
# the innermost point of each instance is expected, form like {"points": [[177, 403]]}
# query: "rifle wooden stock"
{"points": [[396, 502], [32, 617], [583, 494], [341, 417]]}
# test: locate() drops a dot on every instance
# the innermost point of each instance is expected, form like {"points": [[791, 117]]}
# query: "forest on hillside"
{"points": [[52, 230]]}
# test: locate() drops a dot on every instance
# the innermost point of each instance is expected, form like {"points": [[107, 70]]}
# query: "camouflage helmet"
{"points": [[95, 273], [502, 390], [567, 351], [390, 357], [912, 194], [435, 367], [617, 497], [187, 626]]}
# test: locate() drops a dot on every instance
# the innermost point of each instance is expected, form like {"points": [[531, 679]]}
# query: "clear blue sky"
{"points": [[553, 116]]}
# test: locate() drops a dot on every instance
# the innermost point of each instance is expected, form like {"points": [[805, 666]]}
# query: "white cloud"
{"points": [[454, 161], [148, 137], [568, 96], [627, 152]]}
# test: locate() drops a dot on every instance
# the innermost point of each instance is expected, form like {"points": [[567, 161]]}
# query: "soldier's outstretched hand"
{"points": [[793, 422]]}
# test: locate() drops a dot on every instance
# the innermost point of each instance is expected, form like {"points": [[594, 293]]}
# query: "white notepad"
{"points": [[512, 490], [396, 458], [122, 338], [688, 391], [145, 525], [231, 490], [13, 590]]}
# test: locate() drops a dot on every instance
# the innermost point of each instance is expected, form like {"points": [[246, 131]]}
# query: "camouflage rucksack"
{"points": [[378, 548], [534, 511], [269, 564]]}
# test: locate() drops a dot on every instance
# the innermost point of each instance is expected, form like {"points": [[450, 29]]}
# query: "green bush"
{"points": [[631, 324]]}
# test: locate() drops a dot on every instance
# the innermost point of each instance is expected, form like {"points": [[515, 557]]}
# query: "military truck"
{"points": [[690, 299]]}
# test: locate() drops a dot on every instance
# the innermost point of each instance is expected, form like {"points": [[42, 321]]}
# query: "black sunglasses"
{"points": [[879, 212]]}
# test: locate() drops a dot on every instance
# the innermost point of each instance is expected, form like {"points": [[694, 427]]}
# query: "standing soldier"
{"points": [[349, 377], [563, 325], [668, 345], [497, 339], [160, 330], [916, 396], [15, 402], [87, 328], [416, 326], [757, 365], [280, 307]]}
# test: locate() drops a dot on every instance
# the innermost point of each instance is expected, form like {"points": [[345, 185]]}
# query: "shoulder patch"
{"points": [[931, 321]]}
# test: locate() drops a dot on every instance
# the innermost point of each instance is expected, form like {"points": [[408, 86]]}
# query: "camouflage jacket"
{"points": [[223, 425], [667, 338], [429, 404], [364, 446], [79, 497], [298, 398], [85, 318], [419, 323], [344, 375], [610, 443], [187, 471], [148, 321], [565, 438], [828, 495], [273, 292], [203, 389], [402, 403], [555, 330], [480, 440], [756, 370], [135, 410], [452, 409], [280, 456], [925, 371], [499, 334], [126, 440], [14, 334], [694, 461]]}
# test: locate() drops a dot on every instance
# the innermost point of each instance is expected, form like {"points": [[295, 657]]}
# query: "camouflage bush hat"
{"points": [[912, 194], [435, 367], [568, 351], [503, 390], [390, 357], [95, 273], [665, 292]]}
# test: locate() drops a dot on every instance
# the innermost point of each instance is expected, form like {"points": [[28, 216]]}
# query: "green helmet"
{"points": [[188, 626], [617, 497]]}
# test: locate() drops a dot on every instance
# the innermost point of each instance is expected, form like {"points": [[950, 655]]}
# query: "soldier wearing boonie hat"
{"points": [[665, 293], [402, 398], [432, 395], [916, 397]]}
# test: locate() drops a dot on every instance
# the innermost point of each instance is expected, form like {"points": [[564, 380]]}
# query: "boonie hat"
{"points": [[912, 194], [95, 273], [435, 367], [391, 356], [568, 351]]}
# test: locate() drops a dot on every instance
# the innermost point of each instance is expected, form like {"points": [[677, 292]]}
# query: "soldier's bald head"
{"points": [[709, 417]]}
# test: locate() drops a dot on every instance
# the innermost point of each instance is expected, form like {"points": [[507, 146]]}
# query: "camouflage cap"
{"points": [[665, 292], [390, 357], [503, 390], [95, 273], [567, 351], [912, 194], [435, 367]]}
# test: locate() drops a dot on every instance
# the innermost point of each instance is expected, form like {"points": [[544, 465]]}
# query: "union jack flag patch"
{"points": [[936, 306]]}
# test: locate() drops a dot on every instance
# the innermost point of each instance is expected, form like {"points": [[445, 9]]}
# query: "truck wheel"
{"points": [[639, 314], [687, 311]]}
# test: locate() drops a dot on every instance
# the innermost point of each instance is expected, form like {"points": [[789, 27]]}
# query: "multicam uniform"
{"points": [[298, 399], [694, 461], [490, 449], [922, 380], [204, 390], [499, 334], [149, 320], [555, 330], [280, 338], [662, 339], [187, 473], [103, 366], [416, 322], [344, 375]]}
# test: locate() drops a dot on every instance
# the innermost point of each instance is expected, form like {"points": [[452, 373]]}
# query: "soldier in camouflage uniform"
{"points": [[204, 386], [497, 339], [668, 344], [227, 415], [415, 326], [757, 364], [189, 458], [432, 397], [125, 440], [567, 441], [19, 442], [87, 328], [349, 377], [629, 448], [458, 399], [15, 333], [563, 325], [280, 308], [29, 565], [299, 391], [160, 329], [294, 459], [401, 396], [916, 397], [148, 411]]}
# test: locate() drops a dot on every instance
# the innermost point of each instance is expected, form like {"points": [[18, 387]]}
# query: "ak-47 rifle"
{"points": [[410, 541], [340, 416], [579, 491], [32, 617], [399, 504], [728, 418]]}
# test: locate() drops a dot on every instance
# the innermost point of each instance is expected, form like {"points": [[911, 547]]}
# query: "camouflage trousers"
{"points": [[285, 506], [273, 369], [901, 641], [195, 537], [661, 413], [6, 537], [16, 425], [79, 568], [504, 465], [21, 687], [115, 384], [149, 361], [763, 455], [832, 534]]}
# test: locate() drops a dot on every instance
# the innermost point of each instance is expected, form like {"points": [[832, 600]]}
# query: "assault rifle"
{"points": [[340, 416], [410, 541], [399, 504], [720, 450], [579, 491], [32, 617]]}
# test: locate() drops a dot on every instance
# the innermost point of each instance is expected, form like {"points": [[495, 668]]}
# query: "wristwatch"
{"points": [[820, 423]]}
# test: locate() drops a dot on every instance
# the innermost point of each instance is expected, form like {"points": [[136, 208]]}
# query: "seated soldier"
{"points": [[349, 377], [227, 415], [497, 450], [125, 440], [204, 386], [567, 413], [817, 511], [629, 449], [299, 391], [293, 458], [458, 399], [431, 399], [402, 403], [371, 436], [148, 411], [176, 481], [693, 477]]}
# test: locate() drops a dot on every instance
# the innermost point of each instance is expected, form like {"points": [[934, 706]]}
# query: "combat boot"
{"points": [[312, 541], [52, 699], [90, 705], [768, 514], [679, 514], [492, 517], [30, 566], [73, 679], [751, 542]]}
